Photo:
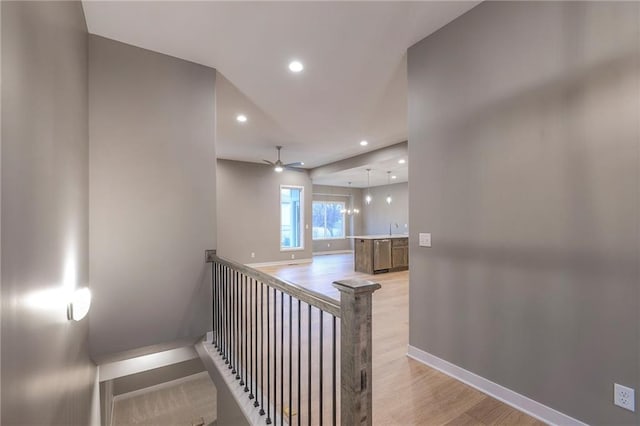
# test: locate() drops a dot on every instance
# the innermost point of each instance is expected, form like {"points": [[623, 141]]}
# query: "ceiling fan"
{"points": [[279, 166]]}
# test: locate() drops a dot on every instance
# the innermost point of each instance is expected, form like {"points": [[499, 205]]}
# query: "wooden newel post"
{"points": [[355, 352]]}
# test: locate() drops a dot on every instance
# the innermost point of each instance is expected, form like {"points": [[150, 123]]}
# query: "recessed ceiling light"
{"points": [[241, 118], [364, 143], [401, 161], [394, 177], [296, 66]]}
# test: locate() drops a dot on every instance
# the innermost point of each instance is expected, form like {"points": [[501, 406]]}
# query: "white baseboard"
{"points": [[322, 253], [160, 386], [280, 262], [499, 392]]}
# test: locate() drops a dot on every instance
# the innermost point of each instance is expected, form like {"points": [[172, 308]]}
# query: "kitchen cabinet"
{"points": [[374, 254], [400, 253]]}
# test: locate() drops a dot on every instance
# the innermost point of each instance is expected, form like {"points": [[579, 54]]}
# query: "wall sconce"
{"points": [[79, 304]]}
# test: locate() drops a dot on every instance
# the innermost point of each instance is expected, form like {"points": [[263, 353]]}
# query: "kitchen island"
{"points": [[374, 254]]}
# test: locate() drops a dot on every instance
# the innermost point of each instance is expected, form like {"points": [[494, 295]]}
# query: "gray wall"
{"points": [[249, 212], [378, 215], [524, 118], [152, 196], [352, 197], [47, 376]]}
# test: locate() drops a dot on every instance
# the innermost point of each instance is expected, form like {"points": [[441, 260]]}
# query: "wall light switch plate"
{"points": [[424, 239], [624, 397]]}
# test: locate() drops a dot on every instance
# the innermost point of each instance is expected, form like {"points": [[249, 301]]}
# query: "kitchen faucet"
{"points": [[391, 223]]}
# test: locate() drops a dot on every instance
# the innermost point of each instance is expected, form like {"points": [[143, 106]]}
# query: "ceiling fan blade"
{"points": [[269, 162], [295, 169], [296, 164]]}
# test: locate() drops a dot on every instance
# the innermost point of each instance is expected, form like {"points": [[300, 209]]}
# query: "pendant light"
{"points": [[351, 210], [368, 198], [389, 199]]}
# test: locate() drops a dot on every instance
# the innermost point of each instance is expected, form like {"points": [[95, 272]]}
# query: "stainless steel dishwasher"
{"points": [[381, 255]]}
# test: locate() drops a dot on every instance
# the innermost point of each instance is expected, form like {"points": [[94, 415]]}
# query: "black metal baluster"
{"points": [[223, 294], [221, 316], [237, 306], [309, 365], [246, 335], [275, 353], [281, 359], [254, 344], [333, 361], [290, 358], [219, 302], [268, 362], [241, 328], [250, 376], [226, 328], [320, 363], [299, 366], [228, 344], [234, 306], [214, 308], [262, 349], [232, 311]]}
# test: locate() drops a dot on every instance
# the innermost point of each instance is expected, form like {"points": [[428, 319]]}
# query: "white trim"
{"points": [[125, 367], [322, 253], [96, 406], [159, 386], [499, 392], [251, 413], [280, 262], [283, 250], [330, 238]]}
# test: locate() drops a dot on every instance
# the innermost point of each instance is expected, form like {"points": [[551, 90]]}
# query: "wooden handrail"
{"points": [[355, 312], [305, 295]]}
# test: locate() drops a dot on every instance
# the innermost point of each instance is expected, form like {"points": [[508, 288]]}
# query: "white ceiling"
{"points": [[353, 86], [358, 175]]}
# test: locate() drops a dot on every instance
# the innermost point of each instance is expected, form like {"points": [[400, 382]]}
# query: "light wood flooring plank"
{"points": [[405, 392]]}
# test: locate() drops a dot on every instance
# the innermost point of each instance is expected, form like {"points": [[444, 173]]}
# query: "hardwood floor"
{"points": [[405, 392]]}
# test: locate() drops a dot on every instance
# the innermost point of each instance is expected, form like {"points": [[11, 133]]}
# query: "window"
{"points": [[328, 220], [291, 202]]}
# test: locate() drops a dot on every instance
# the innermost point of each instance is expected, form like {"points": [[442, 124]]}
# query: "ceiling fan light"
{"points": [[278, 169]]}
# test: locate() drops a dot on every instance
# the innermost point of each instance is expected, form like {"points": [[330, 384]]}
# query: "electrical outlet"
{"points": [[293, 256], [253, 255], [624, 397]]}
